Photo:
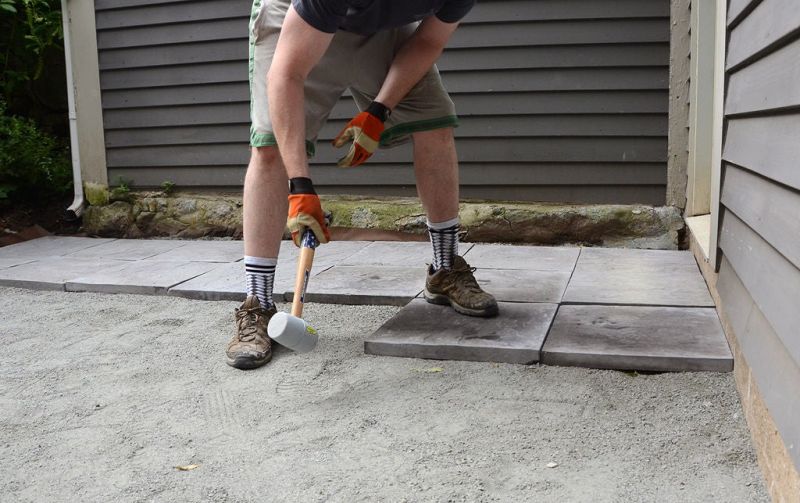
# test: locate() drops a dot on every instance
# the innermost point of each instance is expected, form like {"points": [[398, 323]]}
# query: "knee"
{"points": [[264, 155], [265, 160]]}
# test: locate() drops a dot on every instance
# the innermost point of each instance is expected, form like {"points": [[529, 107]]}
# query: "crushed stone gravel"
{"points": [[103, 397]]}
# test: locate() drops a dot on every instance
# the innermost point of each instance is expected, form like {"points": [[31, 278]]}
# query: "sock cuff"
{"points": [[262, 261], [437, 226]]}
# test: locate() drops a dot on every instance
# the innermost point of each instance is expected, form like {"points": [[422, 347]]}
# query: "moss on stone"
{"points": [[197, 215], [96, 193]]}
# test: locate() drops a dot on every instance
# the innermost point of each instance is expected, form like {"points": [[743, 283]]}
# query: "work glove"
{"points": [[365, 132], [305, 212]]}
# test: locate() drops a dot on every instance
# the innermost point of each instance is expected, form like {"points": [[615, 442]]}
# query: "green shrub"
{"points": [[33, 165]]}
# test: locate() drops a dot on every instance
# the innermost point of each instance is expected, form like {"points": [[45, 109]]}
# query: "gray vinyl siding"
{"points": [[759, 281], [559, 100]]}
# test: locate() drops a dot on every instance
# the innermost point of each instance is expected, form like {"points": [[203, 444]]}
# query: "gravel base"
{"points": [[102, 396]]}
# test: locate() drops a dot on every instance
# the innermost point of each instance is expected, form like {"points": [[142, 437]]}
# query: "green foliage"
{"points": [[123, 185], [30, 29], [167, 186], [8, 6], [33, 165]]}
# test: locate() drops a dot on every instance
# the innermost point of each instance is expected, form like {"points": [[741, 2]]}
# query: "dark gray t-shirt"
{"points": [[369, 16]]}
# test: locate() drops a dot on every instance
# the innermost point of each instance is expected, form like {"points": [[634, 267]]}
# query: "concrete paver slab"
{"points": [[523, 286], [50, 246], [227, 282], [422, 330], [391, 253], [333, 253], [204, 251], [142, 277], [12, 261], [637, 277], [381, 285], [52, 273], [128, 249], [593, 259], [537, 258], [638, 338]]}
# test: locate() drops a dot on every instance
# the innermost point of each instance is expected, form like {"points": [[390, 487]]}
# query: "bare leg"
{"points": [[265, 203], [436, 171]]}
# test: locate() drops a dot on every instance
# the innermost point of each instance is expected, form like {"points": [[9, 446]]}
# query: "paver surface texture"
{"points": [[102, 396], [425, 330], [52, 273], [638, 277], [638, 338], [225, 282]]}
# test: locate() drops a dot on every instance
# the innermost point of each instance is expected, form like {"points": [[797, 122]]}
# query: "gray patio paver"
{"points": [[13, 261], [50, 246], [52, 273], [333, 253], [227, 282], [142, 277], [628, 258], [638, 338], [422, 330], [523, 286], [397, 253], [637, 277], [383, 285], [537, 258], [128, 249], [203, 251]]}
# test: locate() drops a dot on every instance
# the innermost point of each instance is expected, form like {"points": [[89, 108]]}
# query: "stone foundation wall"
{"points": [[184, 215]]}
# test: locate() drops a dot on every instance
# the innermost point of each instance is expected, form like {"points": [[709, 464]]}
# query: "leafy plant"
{"points": [[31, 35], [8, 6], [123, 185], [33, 164], [167, 186]]}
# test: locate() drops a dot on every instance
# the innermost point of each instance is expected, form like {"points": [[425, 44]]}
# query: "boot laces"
{"points": [[465, 277], [247, 322]]}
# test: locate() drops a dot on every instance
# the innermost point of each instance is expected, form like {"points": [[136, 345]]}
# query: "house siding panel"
{"points": [[567, 99], [776, 373], [760, 201]]}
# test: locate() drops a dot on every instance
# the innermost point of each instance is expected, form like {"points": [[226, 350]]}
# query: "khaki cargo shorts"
{"points": [[352, 62]]}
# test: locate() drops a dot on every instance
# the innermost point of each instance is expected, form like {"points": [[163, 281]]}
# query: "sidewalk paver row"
{"points": [[592, 307]]}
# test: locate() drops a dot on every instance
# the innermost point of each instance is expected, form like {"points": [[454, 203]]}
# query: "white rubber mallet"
{"points": [[290, 330]]}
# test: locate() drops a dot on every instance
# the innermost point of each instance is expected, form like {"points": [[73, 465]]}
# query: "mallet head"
{"points": [[292, 332]]}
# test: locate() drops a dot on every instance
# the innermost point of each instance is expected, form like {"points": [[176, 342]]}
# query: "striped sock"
{"points": [[444, 238], [260, 274]]}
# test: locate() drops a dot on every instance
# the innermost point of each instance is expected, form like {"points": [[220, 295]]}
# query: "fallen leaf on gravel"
{"points": [[186, 468], [552, 464], [432, 370]]}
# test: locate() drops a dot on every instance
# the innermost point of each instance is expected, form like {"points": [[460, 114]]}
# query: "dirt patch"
{"points": [[24, 218]]}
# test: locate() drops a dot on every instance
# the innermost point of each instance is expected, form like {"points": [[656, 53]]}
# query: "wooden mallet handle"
{"points": [[301, 280], [308, 245]]}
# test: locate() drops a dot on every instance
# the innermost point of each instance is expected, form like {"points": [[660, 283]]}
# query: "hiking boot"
{"points": [[250, 347], [457, 287]]}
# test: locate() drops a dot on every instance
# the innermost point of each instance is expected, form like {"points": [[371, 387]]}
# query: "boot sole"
{"points": [[444, 300], [248, 363]]}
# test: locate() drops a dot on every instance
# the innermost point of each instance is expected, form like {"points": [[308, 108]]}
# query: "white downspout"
{"points": [[76, 208]]}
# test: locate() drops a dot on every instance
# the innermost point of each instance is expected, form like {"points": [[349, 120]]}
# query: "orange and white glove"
{"points": [[305, 212], [365, 132]]}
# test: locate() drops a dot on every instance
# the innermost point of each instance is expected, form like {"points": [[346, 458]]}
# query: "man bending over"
{"points": [[303, 55]]}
